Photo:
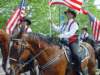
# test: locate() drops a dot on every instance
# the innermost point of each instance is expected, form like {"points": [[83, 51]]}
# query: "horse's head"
{"points": [[32, 44]]}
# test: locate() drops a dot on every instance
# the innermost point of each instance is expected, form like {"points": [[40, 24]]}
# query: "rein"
{"points": [[33, 58]]}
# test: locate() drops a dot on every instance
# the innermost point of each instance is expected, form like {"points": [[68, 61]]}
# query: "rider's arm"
{"points": [[56, 28], [68, 34]]}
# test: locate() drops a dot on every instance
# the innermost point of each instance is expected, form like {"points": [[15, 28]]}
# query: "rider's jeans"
{"points": [[75, 48]]}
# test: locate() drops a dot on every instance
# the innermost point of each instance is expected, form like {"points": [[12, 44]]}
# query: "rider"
{"points": [[23, 27], [84, 35], [68, 31]]}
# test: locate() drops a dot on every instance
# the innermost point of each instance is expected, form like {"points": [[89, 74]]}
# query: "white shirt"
{"points": [[29, 30], [84, 35], [64, 29]]}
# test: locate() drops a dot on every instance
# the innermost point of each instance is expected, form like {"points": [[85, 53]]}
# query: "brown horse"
{"points": [[51, 57], [15, 52], [4, 41]]}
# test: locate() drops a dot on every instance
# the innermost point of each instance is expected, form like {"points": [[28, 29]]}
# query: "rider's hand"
{"points": [[50, 21]]}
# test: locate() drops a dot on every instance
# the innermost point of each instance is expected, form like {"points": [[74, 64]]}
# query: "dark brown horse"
{"points": [[4, 41], [51, 57]]}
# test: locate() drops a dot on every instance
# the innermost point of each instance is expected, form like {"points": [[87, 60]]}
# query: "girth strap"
{"points": [[52, 61]]}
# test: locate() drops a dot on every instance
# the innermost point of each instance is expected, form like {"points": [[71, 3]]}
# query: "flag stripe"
{"points": [[63, 3], [95, 33], [74, 4], [10, 18], [96, 29], [13, 27], [66, 4], [18, 14], [14, 19], [77, 2], [14, 24], [99, 33]]}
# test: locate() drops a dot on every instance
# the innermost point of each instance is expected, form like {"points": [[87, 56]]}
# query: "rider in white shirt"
{"points": [[84, 35], [68, 31]]}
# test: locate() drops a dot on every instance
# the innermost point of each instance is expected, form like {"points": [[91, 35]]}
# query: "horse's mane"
{"points": [[48, 39]]}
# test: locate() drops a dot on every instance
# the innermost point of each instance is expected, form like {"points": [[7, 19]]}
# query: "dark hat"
{"points": [[27, 21], [85, 28], [70, 11]]}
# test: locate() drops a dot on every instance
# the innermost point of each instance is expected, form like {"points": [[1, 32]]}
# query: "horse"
{"points": [[51, 56], [4, 41], [15, 52], [96, 46]]}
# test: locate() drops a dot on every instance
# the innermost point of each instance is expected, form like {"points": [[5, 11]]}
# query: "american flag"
{"points": [[96, 30], [95, 23], [74, 4], [18, 14]]}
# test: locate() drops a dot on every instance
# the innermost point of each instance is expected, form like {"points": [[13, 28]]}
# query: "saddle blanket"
{"points": [[83, 53]]}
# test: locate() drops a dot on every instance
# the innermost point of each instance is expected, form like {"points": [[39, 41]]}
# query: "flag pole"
{"points": [[59, 15], [50, 18]]}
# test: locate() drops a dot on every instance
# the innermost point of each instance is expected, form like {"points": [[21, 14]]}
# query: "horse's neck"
{"points": [[49, 51]]}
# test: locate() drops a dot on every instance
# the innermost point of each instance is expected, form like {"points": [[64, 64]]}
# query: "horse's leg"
{"points": [[91, 69], [92, 65], [4, 52]]}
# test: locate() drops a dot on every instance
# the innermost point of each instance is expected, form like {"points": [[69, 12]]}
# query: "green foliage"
{"points": [[39, 9]]}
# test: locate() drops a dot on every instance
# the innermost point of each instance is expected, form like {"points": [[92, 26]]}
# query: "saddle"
{"points": [[83, 53]]}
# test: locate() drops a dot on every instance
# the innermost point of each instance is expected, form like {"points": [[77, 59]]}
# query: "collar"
{"points": [[70, 20]]}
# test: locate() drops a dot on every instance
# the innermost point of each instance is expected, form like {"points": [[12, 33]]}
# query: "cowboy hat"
{"points": [[70, 11]]}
